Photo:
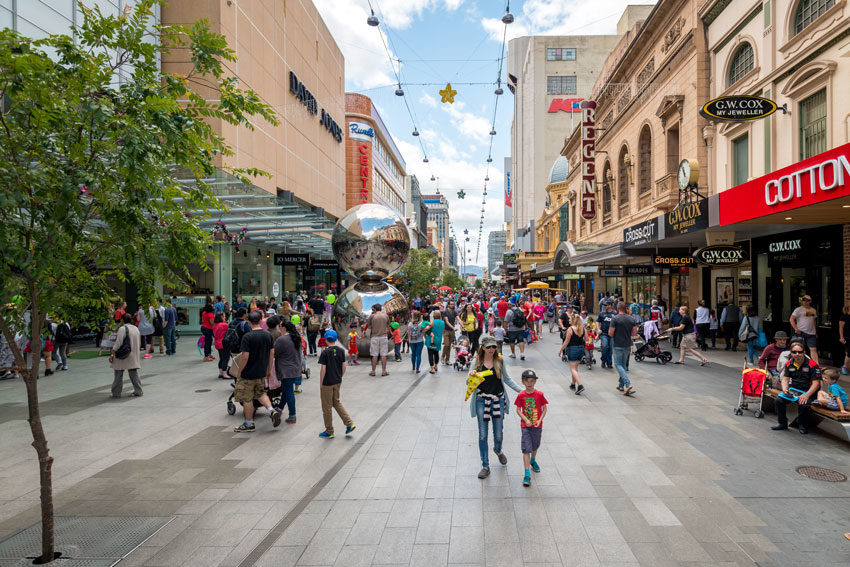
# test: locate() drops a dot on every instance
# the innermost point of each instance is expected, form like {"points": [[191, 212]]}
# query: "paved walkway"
{"points": [[668, 477]]}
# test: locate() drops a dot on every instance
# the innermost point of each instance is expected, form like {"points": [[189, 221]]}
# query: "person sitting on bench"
{"points": [[833, 396], [803, 374]]}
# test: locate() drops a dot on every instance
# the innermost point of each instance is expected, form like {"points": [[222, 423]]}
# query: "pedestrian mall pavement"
{"points": [[668, 477]]}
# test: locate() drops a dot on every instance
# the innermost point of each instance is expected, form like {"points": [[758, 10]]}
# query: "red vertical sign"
{"points": [[588, 159]]}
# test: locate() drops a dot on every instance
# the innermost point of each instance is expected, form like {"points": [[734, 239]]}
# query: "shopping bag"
{"points": [[761, 341], [474, 380]]}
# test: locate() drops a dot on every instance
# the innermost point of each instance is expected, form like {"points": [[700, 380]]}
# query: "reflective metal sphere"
{"points": [[354, 305], [370, 241]]}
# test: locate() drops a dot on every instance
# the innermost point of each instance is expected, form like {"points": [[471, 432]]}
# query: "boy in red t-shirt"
{"points": [[531, 407], [352, 345]]}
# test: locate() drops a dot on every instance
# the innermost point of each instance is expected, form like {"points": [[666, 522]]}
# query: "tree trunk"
{"points": [[39, 440]]}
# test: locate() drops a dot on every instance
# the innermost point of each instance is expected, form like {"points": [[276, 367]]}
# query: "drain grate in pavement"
{"points": [[201, 391], [821, 473], [85, 541]]}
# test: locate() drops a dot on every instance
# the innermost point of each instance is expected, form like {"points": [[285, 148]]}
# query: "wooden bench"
{"points": [[829, 420]]}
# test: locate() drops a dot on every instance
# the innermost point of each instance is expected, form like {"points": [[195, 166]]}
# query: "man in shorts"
{"points": [[257, 364], [515, 332], [378, 323]]}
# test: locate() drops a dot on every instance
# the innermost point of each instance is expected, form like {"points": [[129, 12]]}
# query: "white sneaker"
{"points": [[513, 355]]}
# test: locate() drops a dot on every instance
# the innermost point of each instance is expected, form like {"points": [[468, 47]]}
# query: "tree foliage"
{"points": [[451, 279], [421, 271], [92, 135]]}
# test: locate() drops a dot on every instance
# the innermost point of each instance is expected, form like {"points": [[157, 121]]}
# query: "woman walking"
{"points": [[489, 402], [574, 345], [287, 365], [703, 324], [469, 326], [145, 325], [749, 332], [207, 321], [131, 362], [688, 342], [417, 341], [434, 332], [219, 330]]}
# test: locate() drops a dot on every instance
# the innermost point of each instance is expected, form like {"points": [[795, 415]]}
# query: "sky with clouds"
{"points": [[457, 41]]}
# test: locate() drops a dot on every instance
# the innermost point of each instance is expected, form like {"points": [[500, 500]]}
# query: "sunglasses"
{"points": [[490, 346], [798, 352]]}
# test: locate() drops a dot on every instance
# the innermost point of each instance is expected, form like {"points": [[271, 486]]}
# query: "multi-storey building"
{"points": [[549, 76], [437, 209], [496, 246], [417, 216]]}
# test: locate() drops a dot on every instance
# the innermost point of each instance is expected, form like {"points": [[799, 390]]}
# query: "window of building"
{"points": [[607, 180], [813, 125], [808, 11], [645, 161], [561, 54], [561, 85], [740, 159], [623, 164], [742, 63]]}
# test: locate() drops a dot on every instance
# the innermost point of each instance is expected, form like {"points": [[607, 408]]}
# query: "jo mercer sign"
{"points": [[815, 180], [588, 159]]}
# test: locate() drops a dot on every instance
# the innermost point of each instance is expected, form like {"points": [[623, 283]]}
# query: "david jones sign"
{"points": [[297, 88], [588, 159]]}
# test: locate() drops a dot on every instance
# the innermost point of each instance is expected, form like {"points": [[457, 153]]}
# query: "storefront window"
{"points": [[680, 283], [251, 273], [641, 291]]}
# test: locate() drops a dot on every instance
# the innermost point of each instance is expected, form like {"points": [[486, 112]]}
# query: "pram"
{"points": [[752, 388], [651, 348], [462, 361], [274, 395]]}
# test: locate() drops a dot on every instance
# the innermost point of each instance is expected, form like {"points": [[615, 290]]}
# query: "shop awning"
{"points": [[279, 221], [586, 253]]}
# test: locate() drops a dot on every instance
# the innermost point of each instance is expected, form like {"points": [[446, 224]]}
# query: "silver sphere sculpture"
{"points": [[371, 242]]}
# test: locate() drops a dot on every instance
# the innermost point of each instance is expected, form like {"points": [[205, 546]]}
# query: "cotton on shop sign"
{"points": [[824, 176]]}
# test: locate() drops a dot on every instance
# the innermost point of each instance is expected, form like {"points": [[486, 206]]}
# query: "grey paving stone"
{"points": [[466, 544], [367, 529], [500, 527], [434, 527], [324, 547], [281, 556], [396, 546], [578, 553], [428, 555], [467, 512], [356, 556], [538, 544]]}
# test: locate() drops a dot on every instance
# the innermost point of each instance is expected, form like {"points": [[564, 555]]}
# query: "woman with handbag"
{"points": [[689, 341], [489, 403], [125, 356], [749, 332]]}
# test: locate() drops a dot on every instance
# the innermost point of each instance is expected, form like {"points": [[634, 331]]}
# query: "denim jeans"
{"points": [[607, 346], [752, 352], [482, 431], [620, 355], [170, 340], [311, 342], [208, 341], [416, 354], [287, 397]]}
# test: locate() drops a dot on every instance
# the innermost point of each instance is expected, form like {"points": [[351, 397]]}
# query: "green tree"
{"points": [[478, 283], [87, 186], [451, 279], [421, 271]]}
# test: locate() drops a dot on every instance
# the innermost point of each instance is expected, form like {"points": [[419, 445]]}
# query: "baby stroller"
{"points": [[274, 395], [462, 361], [752, 388], [652, 347]]}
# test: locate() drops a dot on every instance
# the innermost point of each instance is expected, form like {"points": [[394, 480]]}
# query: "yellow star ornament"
{"points": [[448, 94]]}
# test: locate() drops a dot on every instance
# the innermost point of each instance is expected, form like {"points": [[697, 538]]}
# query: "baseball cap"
{"points": [[529, 374], [330, 335], [488, 342]]}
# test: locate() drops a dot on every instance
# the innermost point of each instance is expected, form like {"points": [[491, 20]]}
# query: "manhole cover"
{"points": [[202, 391], [820, 473]]}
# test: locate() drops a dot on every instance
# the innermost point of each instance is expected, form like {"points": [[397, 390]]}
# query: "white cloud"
{"points": [[469, 124], [428, 100], [573, 17]]}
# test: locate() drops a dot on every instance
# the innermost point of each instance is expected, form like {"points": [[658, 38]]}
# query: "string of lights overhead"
{"points": [[395, 64]]}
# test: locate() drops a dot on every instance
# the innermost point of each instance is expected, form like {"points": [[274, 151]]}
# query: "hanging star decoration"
{"points": [[448, 94], [461, 194]]}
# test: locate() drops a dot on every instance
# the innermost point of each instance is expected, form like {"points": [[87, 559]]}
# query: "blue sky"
{"points": [[457, 41]]}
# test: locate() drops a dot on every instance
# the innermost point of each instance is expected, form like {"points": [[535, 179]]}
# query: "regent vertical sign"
{"points": [[365, 171], [588, 159]]}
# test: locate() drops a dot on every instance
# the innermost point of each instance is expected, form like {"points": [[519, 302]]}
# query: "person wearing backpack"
{"points": [[131, 361], [232, 340], [516, 322], [61, 339], [313, 326]]}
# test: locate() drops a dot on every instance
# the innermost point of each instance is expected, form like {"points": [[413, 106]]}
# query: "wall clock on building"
{"points": [[688, 173]]}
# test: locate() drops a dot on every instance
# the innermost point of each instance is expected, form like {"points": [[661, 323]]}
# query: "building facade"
{"points": [[437, 209], [549, 76], [417, 216], [496, 246], [375, 169]]}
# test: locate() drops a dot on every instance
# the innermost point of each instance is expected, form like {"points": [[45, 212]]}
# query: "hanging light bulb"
{"points": [[425, 159], [433, 178], [493, 132], [415, 131], [489, 159], [499, 90], [399, 91], [508, 18], [373, 20], [487, 178]]}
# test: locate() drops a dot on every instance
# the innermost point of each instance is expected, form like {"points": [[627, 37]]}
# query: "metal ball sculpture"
{"points": [[371, 242]]}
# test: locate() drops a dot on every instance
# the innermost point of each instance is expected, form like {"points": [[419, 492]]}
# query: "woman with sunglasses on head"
{"points": [[804, 375], [489, 402]]}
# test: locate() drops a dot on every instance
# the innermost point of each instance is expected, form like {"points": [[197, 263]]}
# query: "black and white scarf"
{"points": [[491, 409]]}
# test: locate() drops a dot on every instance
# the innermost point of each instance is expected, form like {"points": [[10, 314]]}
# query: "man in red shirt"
{"points": [[502, 307]]}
